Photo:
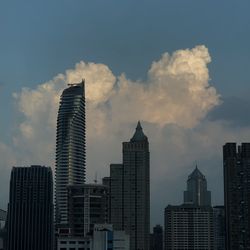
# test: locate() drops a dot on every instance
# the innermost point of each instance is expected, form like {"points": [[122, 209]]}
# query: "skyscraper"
{"points": [[70, 147], [30, 210], [219, 228], [197, 193], [190, 226], [237, 195], [130, 192]]}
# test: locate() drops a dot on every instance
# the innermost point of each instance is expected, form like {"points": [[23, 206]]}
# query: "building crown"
{"points": [[139, 135]]}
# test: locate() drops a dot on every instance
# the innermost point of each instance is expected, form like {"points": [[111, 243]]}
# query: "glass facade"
{"points": [[70, 146]]}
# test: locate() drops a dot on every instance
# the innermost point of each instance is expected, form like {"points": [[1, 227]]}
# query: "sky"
{"points": [[180, 67]]}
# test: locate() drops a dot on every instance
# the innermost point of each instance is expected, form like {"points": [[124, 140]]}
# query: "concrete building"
{"points": [[105, 238], [130, 191], [197, 193], [189, 227], [236, 161], [70, 148], [219, 228], [88, 205], [30, 209]]}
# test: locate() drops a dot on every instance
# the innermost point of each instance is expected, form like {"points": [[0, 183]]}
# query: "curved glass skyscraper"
{"points": [[70, 146]]}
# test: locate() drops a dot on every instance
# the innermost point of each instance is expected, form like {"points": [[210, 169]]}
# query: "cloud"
{"points": [[177, 92], [172, 104]]}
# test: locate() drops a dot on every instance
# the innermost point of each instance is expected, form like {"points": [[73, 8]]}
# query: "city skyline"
{"points": [[190, 101]]}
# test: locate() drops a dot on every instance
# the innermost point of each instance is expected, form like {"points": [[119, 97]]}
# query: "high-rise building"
{"points": [[219, 228], [130, 193], [197, 193], [30, 210], [157, 238], [70, 147], [88, 205], [117, 196], [237, 195], [189, 227]]}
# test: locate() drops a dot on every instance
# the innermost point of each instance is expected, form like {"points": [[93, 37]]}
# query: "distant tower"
{"points": [[190, 225], [130, 193], [70, 147], [237, 195], [30, 210], [197, 193]]}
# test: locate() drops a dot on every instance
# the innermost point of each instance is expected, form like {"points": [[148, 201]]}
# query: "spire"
{"points": [[139, 135], [196, 174], [139, 127]]}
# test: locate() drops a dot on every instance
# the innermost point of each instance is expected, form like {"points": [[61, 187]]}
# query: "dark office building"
{"points": [[219, 228], [130, 194], [70, 147], [237, 195], [88, 205], [30, 209], [189, 227], [156, 238]]}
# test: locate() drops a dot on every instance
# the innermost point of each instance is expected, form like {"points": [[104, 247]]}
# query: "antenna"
{"points": [[95, 180]]}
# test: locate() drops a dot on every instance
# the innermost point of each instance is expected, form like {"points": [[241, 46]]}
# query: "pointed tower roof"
{"points": [[139, 135], [196, 174]]}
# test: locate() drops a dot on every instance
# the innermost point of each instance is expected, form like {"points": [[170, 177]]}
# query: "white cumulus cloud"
{"points": [[171, 103]]}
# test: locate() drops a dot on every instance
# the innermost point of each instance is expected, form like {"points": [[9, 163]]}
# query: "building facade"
{"points": [[70, 147], [105, 238], [30, 210], [189, 227], [219, 228], [157, 238], [117, 196], [88, 205], [130, 191], [74, 243], [236, 160], [197, 193]]}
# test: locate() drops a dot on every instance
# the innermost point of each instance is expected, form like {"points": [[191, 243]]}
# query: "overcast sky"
{"points": [[181, 67]]}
